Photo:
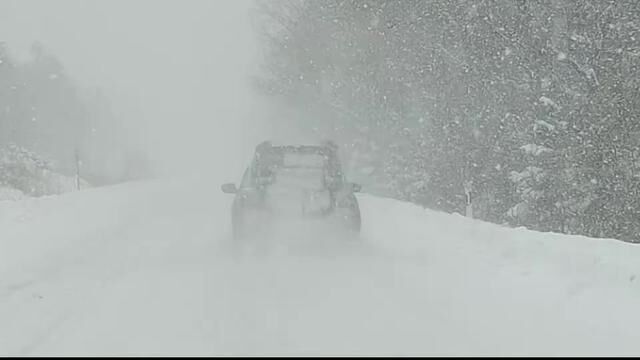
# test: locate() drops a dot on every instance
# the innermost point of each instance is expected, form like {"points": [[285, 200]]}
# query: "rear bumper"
{"points": [[264, 222]]}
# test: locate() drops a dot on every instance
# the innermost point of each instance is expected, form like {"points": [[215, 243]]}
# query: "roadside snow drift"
{"points": [[144, 269]]}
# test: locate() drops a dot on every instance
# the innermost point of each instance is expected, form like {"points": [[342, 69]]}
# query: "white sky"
{"points": [[184, 64]]}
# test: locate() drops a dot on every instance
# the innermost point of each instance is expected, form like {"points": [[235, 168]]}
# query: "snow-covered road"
{"points": [[142, 269]]}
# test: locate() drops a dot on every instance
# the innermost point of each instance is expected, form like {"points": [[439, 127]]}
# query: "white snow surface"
{"points": [[142, 269]]}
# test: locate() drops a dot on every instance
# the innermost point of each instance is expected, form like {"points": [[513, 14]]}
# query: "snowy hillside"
{"points": [[24, 173], [142, 269]]}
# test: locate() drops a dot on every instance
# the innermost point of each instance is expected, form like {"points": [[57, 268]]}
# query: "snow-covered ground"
{"points": [[142, 269]]}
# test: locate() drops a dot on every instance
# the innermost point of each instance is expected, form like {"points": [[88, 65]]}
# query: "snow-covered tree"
{"points": [[533, 103]]}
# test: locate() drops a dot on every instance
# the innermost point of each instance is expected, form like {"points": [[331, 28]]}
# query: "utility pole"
{"points": [[468, 185], [77, 157]]}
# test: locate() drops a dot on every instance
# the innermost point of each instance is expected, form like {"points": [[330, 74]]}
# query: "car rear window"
{"points": [[303, 160]]}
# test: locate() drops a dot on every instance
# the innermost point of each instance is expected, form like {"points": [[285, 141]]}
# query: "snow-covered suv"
{"points": [[294, 184]]}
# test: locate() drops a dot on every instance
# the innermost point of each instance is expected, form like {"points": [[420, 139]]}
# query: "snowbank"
{"points": [[23, 171], [7, 193], [514, 291]]}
